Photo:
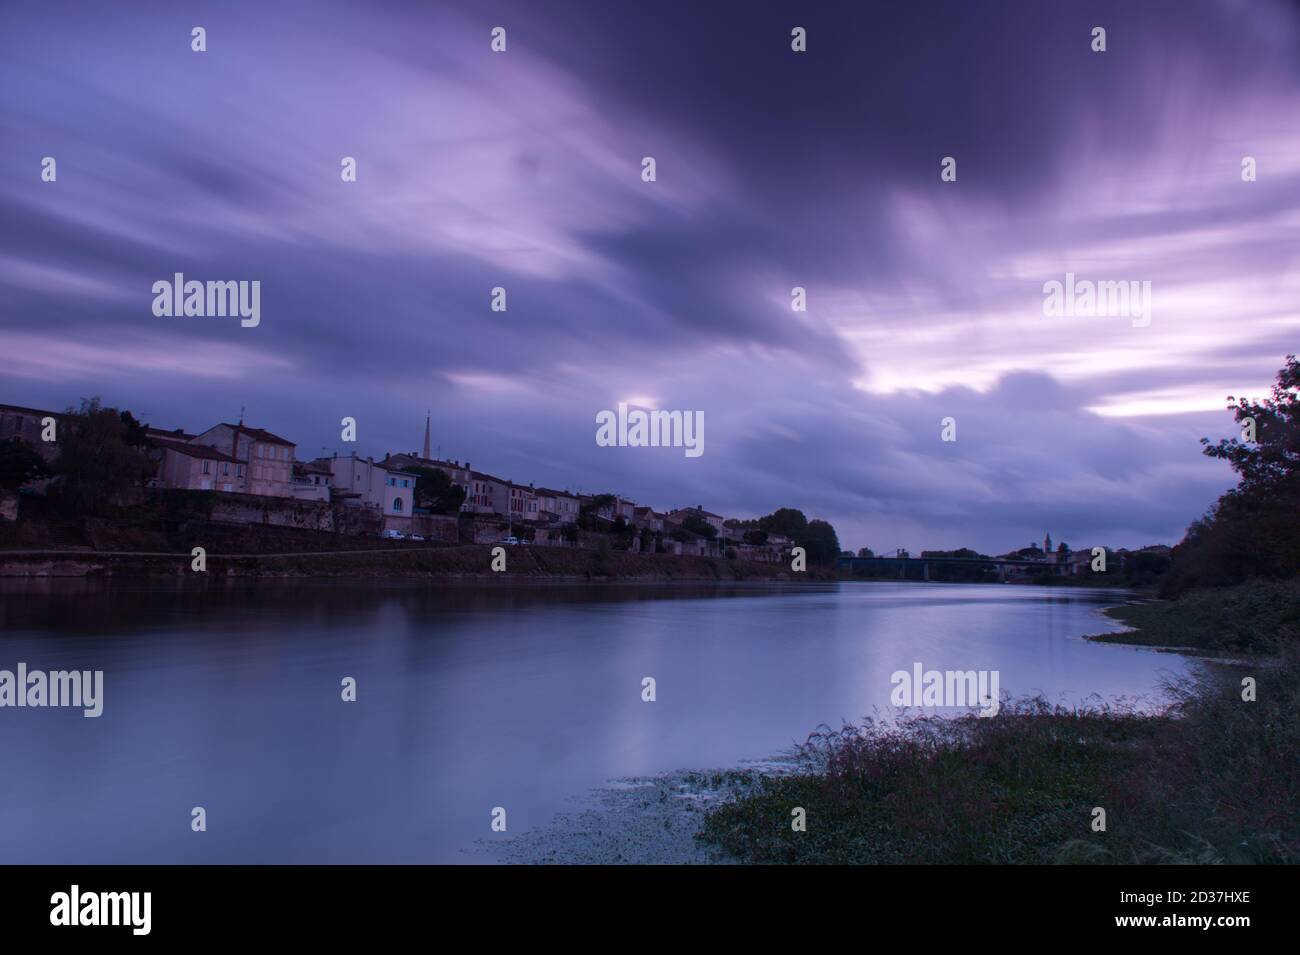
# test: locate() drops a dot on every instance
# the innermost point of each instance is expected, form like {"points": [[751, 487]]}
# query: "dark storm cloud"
{"points": [[820, 170]]}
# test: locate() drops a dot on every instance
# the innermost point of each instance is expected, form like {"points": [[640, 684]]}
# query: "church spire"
{"points": [[426, 435]]}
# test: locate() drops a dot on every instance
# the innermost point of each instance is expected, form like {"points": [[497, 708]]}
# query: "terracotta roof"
{"points": [[418, 461], [177, 434], [551, 492], [697, 510], [32, 411], [190, 450], [258, 434]]}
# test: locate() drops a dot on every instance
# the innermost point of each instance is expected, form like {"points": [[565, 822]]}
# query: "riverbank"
{"points": [[407, 560], [1248, 619], [1212, 778]]}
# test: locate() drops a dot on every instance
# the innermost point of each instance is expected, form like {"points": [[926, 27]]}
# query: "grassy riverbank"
{"points": [[1250, 618], [1211, 779]]}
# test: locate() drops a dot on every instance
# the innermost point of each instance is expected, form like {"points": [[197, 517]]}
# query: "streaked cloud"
{"points": [[523, 170]]}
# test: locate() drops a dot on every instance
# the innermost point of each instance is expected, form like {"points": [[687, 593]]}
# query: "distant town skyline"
{"points": [[775, 170]]}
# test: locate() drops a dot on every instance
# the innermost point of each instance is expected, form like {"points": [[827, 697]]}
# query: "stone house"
{"points": [[264, 461]]}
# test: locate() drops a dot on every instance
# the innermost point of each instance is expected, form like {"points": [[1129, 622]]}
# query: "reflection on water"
{"points": [[227, 696]]}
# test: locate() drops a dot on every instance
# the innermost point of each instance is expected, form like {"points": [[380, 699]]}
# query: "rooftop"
{"points": [[33, 411], [258, 434], [551, 492], [188, 449]]}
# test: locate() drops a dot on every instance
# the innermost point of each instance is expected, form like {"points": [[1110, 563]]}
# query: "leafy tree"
{"points": [[20, 463], [818, 538], [699, 526], [1253, 530], [820, 542], [102, 453], [866, 552], [786, 521], [1269, 459], [588, 511], [1032, 552], [1144, 567], [596, 503], [434, 490]]}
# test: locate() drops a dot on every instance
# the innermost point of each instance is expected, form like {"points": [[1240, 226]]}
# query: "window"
{"points": [[239, 470], [397, 504], [207, 467], [225, 469]]}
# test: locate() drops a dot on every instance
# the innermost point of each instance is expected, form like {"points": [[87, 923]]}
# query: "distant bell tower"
{"points": [[1047, 544], [426, 435]]}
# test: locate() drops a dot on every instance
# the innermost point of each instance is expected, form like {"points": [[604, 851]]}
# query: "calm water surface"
{"points": [[469, 698]]}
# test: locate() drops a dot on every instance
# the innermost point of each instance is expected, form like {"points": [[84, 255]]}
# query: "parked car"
{"points": [[392, 535], [416, 537], [512, 540]]}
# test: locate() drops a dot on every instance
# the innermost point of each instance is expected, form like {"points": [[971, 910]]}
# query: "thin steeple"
{"points": [[426, 434]]}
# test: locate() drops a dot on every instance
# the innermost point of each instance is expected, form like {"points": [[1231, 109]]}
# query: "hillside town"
{"points": [[257, 477], [249, 476]]}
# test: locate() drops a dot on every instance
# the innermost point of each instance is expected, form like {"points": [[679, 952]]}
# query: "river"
{"points": [[469, 697]]}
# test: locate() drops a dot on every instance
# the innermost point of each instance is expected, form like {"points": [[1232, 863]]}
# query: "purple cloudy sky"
{"points": [[774, 170]]}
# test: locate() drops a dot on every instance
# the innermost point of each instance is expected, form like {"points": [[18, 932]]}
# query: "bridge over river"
{"points": [[950, 568]]}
